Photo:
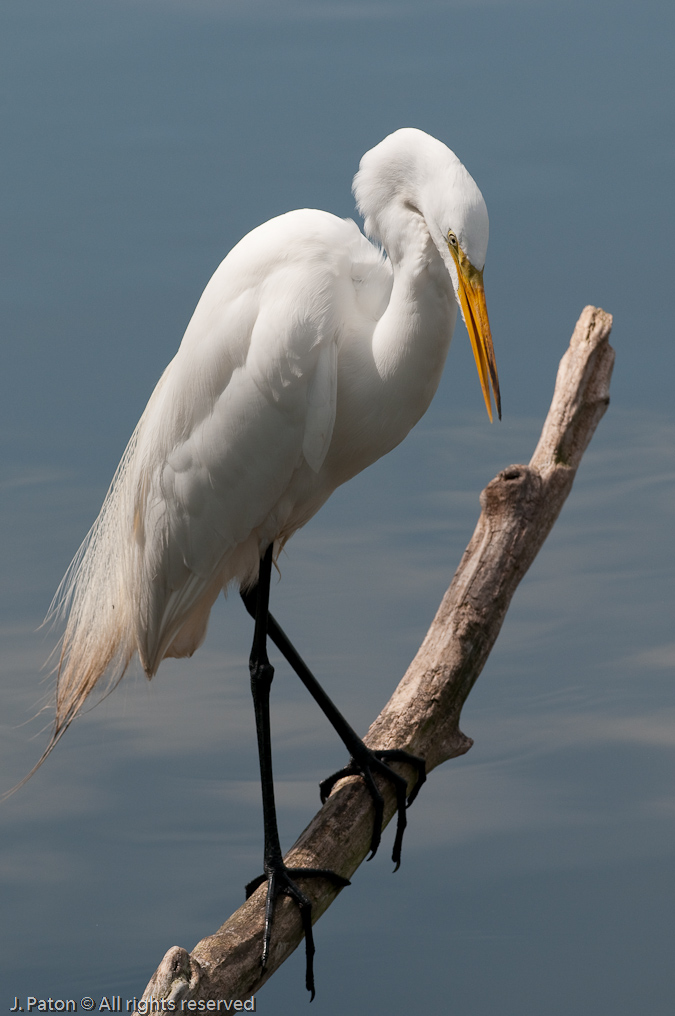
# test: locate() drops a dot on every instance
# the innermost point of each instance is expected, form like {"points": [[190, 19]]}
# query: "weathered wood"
{"points": [[519, 508]]}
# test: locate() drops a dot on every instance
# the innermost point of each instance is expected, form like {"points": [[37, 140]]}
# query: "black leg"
{"points": [[363, 761], [279, 878]]}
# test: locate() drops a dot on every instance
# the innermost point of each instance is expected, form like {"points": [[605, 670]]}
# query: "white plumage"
{"points": [[309, 355]]}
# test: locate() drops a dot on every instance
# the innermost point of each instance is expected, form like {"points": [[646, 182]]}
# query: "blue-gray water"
{"points": [[140, 141]]}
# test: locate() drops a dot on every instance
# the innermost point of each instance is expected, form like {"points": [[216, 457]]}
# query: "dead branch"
{"points": [[519, 508]]}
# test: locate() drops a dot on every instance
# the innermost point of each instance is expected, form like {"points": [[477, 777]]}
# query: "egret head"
{"points": [[412, 174]]}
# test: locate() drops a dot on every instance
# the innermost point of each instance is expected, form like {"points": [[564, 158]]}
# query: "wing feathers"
{"points": [[247, 402]]}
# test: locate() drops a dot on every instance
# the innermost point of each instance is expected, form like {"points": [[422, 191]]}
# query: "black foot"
{"points": [[280, 882], [367, 763]]}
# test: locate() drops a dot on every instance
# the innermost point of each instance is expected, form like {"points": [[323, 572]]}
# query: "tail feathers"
{"points": [[96, 641], [80, 669], [76, 678]]}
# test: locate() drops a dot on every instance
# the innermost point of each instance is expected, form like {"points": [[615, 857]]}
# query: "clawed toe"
{"points": [[280, 881], [420, 766], [364, 764]]}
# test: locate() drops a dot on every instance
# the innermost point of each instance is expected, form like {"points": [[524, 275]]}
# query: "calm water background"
{"points": [[140, 141]]}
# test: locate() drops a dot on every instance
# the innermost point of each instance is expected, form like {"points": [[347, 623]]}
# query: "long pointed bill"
{"points": [[472, 299]]}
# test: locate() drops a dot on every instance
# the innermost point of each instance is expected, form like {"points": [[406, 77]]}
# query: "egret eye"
{"points": [[452, 239]]}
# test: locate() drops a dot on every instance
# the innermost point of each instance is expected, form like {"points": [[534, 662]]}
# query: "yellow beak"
{"points": [[472, 299]]}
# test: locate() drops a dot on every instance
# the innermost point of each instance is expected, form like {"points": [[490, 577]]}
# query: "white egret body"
{"points": [[309, 355]]}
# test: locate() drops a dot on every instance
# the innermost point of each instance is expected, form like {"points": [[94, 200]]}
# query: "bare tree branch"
{"points": [[519, 508]]}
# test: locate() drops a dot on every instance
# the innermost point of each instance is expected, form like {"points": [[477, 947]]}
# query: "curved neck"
{"points": [[412, 338]]}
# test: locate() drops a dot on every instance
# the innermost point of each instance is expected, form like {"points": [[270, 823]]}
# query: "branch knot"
{"points": [[515, 491]]}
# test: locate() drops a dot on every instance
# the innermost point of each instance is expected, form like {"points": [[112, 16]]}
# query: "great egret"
{"points": [[309, 355]]}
